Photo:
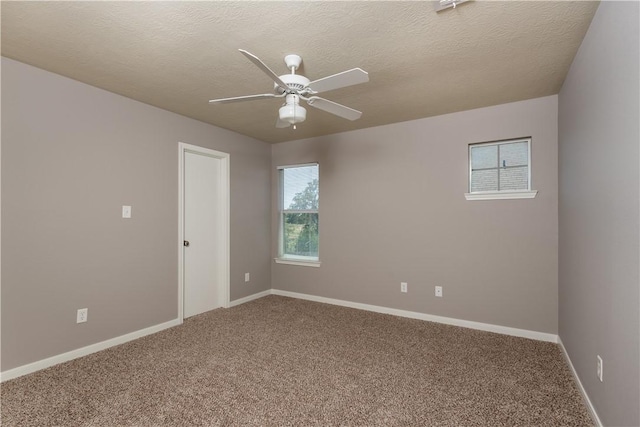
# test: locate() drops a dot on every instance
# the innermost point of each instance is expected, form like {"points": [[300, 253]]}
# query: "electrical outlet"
{"points": [[599, 368], [403, 286], [247, 277], [82, 315], [439, 291]]}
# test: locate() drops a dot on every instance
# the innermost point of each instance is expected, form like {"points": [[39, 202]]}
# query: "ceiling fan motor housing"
{"points": [[295, 81]]}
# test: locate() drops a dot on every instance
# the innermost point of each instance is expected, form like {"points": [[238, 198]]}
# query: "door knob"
{"points": [[186, 243]]}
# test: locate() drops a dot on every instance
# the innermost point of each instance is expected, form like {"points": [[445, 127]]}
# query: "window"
{"points": [[500, 170], [298, 206]]}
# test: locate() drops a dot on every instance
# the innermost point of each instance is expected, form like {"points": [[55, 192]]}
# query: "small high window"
{"points": [[500, 170]]}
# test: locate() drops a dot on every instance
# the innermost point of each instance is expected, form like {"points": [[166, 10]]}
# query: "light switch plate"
{"points": [[126, 211]]}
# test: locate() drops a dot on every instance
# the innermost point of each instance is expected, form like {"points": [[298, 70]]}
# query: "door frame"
{"points": [[224, 246]]}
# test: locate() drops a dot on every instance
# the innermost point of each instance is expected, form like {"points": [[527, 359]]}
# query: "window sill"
{"points": [[294, 261], [501, 195]]}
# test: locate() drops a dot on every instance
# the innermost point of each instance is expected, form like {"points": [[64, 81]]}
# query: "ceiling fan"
{"points": [[294, 87]]}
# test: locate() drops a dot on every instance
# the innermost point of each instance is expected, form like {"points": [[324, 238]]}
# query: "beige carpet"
{"points": [[283, 362]]}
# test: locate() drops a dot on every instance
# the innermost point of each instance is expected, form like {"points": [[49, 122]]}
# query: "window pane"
{"points": [[514, 178], [300, 187], [300, 234], [484, 180], [484, 156], [515, 154]]}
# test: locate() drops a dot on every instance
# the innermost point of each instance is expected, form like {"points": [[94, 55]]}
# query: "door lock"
{"points": [[185, 243]]}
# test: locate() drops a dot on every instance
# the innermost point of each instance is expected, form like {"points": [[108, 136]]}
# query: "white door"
{"points": [[202, 234]]}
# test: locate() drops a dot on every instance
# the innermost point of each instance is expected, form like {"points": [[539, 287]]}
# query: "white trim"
{"points": [[84, 351], [259, 295], [301, 262], [224, 248], [501, 195], [103, 345], [301, 165], [93, 348], [585, 396], [505, 330]]}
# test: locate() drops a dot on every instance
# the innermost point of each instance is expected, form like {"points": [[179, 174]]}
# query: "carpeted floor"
{"points": [[283, 362]]}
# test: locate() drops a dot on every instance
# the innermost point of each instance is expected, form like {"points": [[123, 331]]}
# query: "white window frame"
{"points": [[502, 194], [306, 261]]}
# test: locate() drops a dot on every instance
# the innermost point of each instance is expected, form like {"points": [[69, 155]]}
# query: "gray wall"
{"points": [[72, 155], [392, 209], [599, 212]]}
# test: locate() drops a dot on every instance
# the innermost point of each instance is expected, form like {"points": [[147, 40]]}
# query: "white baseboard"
{"points": [[74, 354], [93, 348], [249, 298], [524, 333], [585, 396]]}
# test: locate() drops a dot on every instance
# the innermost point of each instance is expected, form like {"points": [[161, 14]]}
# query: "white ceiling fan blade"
{"points": [[336, 81], [241, 98], [264, 68], [282, 124], [334, 108]]}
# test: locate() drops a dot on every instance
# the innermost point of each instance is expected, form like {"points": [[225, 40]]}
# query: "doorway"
{"points": [[203, 266]]}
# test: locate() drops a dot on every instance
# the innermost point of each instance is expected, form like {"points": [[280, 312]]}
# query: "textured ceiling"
{"points": [[178, 55]]}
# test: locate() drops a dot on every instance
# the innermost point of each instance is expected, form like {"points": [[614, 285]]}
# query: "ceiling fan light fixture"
{"points": [[293, 113]]}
